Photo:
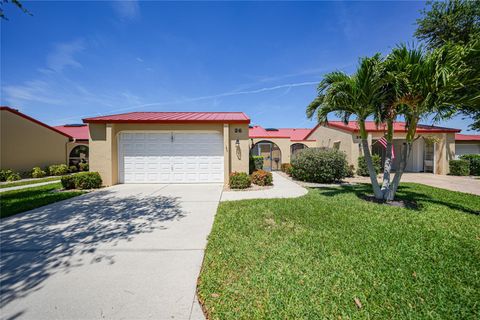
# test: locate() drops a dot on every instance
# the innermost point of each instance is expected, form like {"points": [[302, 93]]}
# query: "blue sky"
{"points": [[76, 59]]}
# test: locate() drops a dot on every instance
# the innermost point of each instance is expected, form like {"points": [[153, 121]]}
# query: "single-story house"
{"points": [[168, 147], [467, 144], [27, 142], [432, 149]]}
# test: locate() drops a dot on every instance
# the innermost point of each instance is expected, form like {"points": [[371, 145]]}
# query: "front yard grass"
{"points": [[22, 183], [333, 255], [16, 201]]}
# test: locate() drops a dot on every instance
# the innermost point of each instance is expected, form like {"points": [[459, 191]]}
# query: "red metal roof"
{"points": [[79, 132], [467, 137], [18, 113], [173, 117], [294, 134], [398, 126]]}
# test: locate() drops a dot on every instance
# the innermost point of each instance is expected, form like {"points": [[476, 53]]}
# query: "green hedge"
{"points": [[37, 172], [9, 175], [58, 169], [459, 167], [362, 165], [474, 160], [319, 165], [82, 180], [239, 180]]}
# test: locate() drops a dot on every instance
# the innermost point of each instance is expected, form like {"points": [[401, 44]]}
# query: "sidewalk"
{"points": [[282, 188], [29, 186]]}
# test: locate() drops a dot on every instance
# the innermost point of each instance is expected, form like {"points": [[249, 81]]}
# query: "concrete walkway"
{"points": [[124, 252], [282, 188], [454, 183], [28, 186]]}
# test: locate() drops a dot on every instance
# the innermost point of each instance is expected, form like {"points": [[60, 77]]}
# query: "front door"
{"points": [[265, 150]]}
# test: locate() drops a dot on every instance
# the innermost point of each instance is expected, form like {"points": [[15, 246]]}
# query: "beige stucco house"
{"points": [[432, 150], [168, 147], [27, 142]]}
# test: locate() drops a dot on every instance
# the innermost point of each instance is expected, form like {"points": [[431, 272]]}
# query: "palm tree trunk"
{"points": [[387, 167], [368, 159], [398, 175]]}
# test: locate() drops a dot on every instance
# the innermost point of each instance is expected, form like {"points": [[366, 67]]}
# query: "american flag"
{"points": [[383, 142]]}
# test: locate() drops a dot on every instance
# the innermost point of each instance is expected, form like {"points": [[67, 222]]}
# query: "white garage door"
{"points": [[170, 157]]}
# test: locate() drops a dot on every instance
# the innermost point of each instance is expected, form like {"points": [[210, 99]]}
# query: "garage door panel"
{"points": [[170, 157]]}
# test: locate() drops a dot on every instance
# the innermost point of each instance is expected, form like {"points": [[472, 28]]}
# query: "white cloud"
{"points": [[63, 54], [126, 10]]}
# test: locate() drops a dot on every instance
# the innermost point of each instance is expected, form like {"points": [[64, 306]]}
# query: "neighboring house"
{"points": [[278, 145], [27, 143], [467, 144], [77, 149], [168, 147], [432, 149]]}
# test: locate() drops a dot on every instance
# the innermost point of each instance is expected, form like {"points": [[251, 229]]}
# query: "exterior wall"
{"points": [[104, 145], [25, 144], [284, 145], [466, 147], [326, 137]]}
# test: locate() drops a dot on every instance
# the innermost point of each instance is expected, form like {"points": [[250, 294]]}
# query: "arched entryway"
{"points": [[78, 154], [295, 148], [272, 156]]}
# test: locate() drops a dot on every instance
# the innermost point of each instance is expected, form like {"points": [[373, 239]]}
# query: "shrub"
{"points": [[239, 180], [72, 169], [83, 167], [285, 167], [319, 165], [362, 165], [37, 172], [474, 160], [68, 182], [262, 178], [4, 174], [87, 180], [459, 167], [255, 163], [14, 176], [58, 169], [350, 171]]}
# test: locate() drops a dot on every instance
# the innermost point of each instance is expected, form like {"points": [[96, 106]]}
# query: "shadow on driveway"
{"points": [[39, 243]]}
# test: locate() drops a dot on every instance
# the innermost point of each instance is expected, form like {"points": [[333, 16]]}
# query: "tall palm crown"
{"points": [[360, 94]]}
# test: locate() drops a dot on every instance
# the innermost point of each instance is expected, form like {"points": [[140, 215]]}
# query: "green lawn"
{"points": [[22, 183], [16, 201], [311, 257]]}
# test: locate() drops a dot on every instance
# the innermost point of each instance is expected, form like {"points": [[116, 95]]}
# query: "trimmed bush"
{"points": [[459, 167], [4, 174], [362, 165], [83, 167], [255, 163], [350, 171], [72, 169], [319, 165], [262, 178], [88, 180], [68, 182], [239, 180], [37, 172], [285, 167], [474, 160], [58, 169], [14, 176]]}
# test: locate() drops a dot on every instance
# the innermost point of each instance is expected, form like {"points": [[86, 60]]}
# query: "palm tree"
{"points": [[358, 95]]}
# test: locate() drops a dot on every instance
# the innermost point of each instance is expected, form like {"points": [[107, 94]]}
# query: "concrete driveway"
{"points": [[124, 252]]}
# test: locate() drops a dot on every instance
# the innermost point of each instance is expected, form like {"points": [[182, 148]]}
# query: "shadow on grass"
{"points": [[413, 200], [39, 243]]}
